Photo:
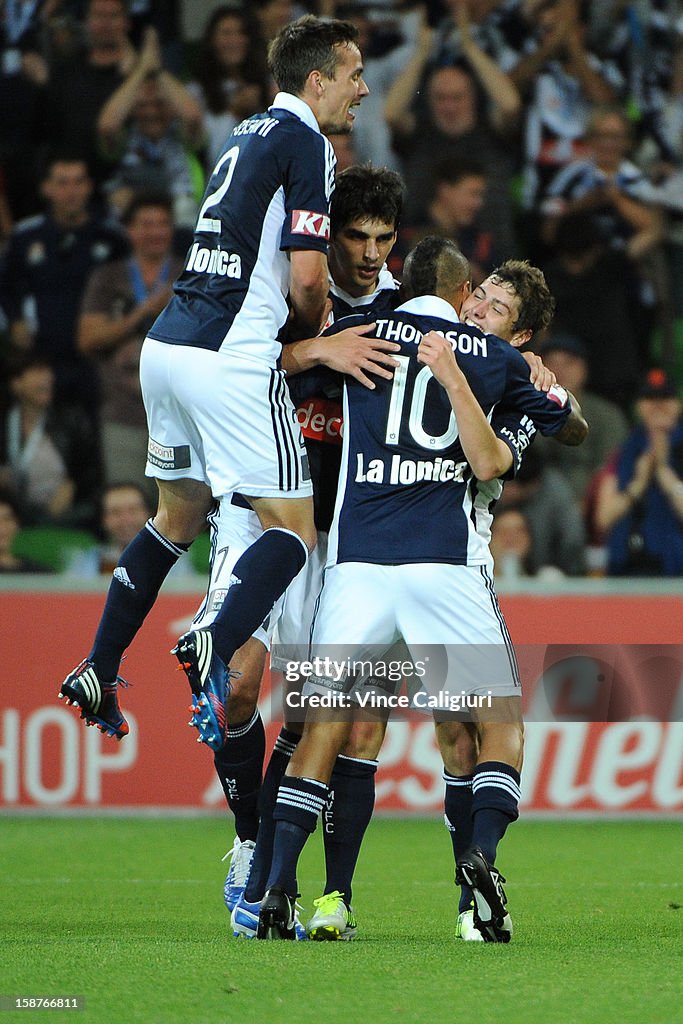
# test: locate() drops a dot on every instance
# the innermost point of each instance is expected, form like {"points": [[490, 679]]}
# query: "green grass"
{"points": [[129, 914]]}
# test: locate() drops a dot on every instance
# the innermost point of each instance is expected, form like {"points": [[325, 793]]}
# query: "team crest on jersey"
{"points": [[306, 223]]}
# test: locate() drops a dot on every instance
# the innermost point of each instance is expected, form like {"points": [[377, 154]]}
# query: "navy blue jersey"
{"points": [[406, 491], [316, 393], [269, 192]]}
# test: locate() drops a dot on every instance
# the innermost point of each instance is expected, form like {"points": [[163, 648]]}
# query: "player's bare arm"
{"points": [[308, 289], [575, 430], [488, 456], [350, 352]]}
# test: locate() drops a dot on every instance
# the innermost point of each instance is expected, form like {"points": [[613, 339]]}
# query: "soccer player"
{"points": [[364, 215], [513, 302], [219, 415], [385, 578], [351, 798]]}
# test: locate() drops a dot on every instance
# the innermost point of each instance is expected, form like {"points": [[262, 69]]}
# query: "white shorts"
{"points": [[223, 419], [233, 530], [448, 616], [293, 627]]}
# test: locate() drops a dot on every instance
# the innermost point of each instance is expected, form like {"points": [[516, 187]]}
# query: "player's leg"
{"points": [[355, 605], [458, 746], [239, 761], [141, 570], [175, 458], [475, 646], [495, 804], [290, 645], [239, 764], [346, 816], [300, 801]]}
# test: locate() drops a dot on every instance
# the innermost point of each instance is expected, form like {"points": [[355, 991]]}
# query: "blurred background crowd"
{"points": [[544, 129]]}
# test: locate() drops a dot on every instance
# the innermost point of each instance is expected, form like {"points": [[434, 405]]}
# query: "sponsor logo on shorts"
{"points": [[168, 457], [304, 222], [216, 598]]}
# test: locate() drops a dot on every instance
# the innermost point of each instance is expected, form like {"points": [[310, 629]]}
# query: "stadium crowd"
{"points": [[545, 129]]}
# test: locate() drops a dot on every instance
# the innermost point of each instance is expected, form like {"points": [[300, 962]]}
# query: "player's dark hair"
{"points": [[141, 200], [434, 267], [364, 192], [536, 306], [305, 45]]}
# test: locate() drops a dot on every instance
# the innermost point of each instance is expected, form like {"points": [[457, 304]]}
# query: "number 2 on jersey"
{"points": [[214, 198]]}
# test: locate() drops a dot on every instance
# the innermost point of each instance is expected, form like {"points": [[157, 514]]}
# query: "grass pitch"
{"points": [[129, 914]]}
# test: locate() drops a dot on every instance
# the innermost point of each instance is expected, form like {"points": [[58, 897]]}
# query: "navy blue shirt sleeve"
{"points": [[549, 410], [308, 177], [517, 430]]}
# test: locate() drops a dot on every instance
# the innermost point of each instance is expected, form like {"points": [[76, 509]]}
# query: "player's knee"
{"points": [[365, 740]]}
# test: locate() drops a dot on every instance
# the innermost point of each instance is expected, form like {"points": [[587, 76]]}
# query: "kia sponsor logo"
{"points": [[304, 222]]}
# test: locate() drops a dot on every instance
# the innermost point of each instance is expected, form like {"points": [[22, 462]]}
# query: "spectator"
{"points": [[10, 525], [231, 79], [492, 25], [607, 186], [48, 455], [387, 40], [80, 86], [644, 41], [567, 356], [546, 499], [452, 128], [459, 194], [512, 545], [640, 503], [561, 81], [120, 304], [23, 76], [124, 510], [151, 125], [272, 16], [44, 270], [594, 301]]}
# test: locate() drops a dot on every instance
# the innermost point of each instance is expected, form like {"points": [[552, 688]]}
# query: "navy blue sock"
{"points": [[458, 818], [495, 803], [262, 574], [143, 567], [239, 764], [299, 802], [284, 747], [346, 816]]}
